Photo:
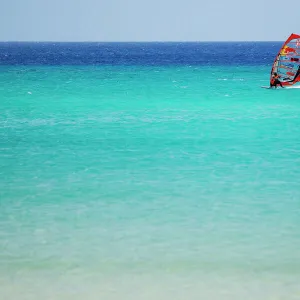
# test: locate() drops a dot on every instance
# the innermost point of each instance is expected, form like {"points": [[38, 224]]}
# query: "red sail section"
{"points": [[287, 61]]}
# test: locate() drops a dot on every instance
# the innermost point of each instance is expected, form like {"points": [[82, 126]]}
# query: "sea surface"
{"points": [[147, 171]]}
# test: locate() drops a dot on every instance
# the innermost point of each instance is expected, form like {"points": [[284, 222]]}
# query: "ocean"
{"points": [[147, 171]]}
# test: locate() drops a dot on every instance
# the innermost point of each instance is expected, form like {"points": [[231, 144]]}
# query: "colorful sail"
{"points": [[287, 61]]}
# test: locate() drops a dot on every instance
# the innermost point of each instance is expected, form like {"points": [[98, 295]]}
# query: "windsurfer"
{"points": [[275, 80]]}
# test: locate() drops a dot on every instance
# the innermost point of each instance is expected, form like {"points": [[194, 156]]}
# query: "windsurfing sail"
{"points": [[287, 61]]}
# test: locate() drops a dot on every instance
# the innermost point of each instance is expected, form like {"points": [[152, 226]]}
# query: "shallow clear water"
{"points": [[148, 182]]}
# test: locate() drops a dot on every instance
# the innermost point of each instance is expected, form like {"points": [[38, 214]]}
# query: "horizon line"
{"points": [[178, 41]]}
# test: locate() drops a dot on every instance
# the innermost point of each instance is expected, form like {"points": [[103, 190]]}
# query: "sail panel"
{"points": [[287, 61]]}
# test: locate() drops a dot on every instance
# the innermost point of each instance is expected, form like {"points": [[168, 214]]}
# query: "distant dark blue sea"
{"points": [[155, 54]]}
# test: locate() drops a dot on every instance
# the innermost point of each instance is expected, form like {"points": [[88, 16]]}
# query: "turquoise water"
{"points": [[140, 182]]}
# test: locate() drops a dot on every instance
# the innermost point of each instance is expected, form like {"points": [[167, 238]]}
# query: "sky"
{"points": [[148, 20]]}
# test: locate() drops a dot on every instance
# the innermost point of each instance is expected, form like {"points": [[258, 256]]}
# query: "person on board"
{"points": [[275, 80]]}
